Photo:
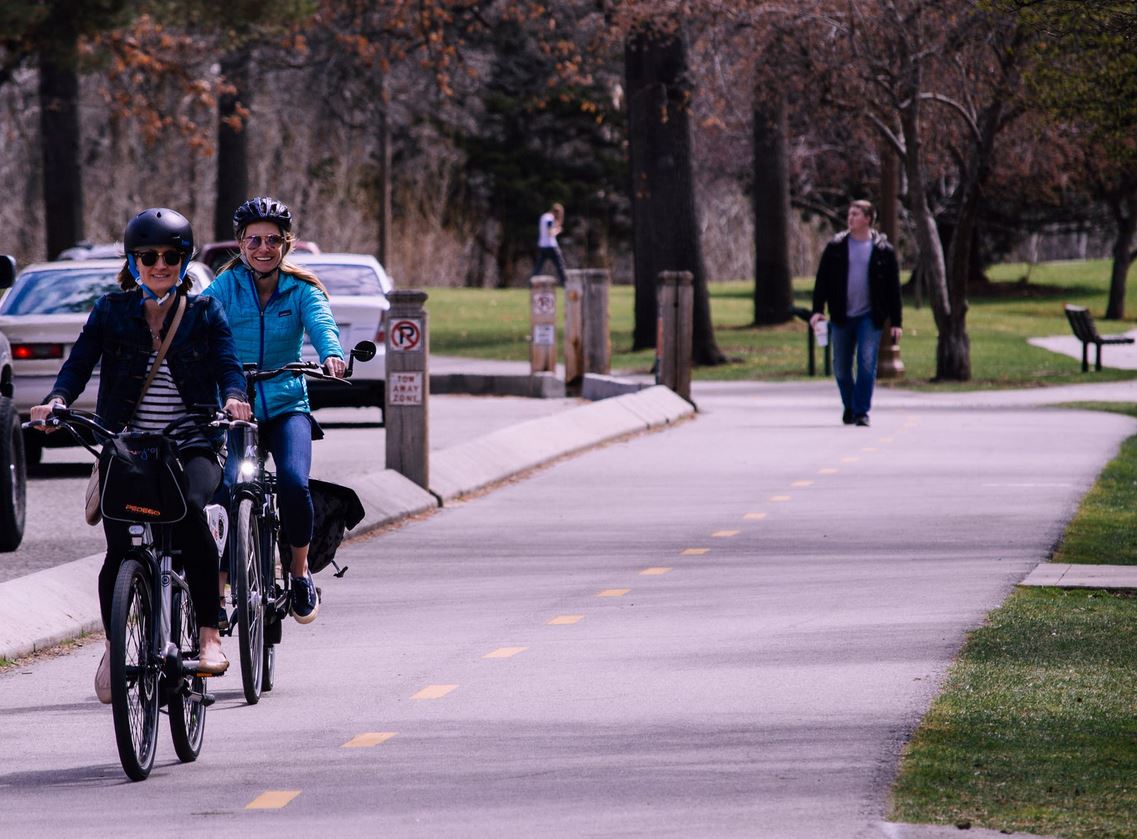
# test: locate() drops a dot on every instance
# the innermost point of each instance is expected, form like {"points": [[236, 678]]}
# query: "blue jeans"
{"points": [[289, 439], [857, 336]]}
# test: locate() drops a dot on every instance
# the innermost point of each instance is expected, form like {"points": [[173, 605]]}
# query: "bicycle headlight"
{"points": [[247, 469]]}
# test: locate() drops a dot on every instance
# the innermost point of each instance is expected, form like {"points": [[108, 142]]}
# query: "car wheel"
{"points": [[13, 477]]}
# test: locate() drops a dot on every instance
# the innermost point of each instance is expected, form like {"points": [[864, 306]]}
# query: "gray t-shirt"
{"points": [[858, 300]]}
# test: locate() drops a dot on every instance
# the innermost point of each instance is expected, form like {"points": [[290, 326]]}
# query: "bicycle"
{"points": [[153, 632], [260, 582]]}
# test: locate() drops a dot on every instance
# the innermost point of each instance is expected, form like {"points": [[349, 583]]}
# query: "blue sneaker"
{"points": [[305, 601]]}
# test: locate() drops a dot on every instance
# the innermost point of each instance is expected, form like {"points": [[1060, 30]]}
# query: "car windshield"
{"points": [[347, 279], [59, 292]]}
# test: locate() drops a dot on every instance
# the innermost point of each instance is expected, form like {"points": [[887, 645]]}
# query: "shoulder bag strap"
{"points": [[162, 350]]}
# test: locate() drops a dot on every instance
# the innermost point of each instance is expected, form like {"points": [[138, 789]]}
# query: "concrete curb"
{"points": [[56, 604], [468, 467], [50, 606], [1063, 575]]}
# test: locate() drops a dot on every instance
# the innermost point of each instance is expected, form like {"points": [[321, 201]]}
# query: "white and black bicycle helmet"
{"points": [[262, 208]]}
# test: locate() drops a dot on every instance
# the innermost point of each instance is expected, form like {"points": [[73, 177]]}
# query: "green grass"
{"points": [[483, 323], [1036, 727]]}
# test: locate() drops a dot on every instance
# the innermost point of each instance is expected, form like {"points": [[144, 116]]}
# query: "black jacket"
{"points": [[832, 283]]}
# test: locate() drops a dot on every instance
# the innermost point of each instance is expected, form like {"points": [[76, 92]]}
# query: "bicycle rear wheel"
{"points": [[186, 708], [134, 672], [245, 550]]}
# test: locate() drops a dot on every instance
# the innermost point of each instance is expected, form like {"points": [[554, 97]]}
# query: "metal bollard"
{"points": [[674, 331], [408, 387], [543, 320]]}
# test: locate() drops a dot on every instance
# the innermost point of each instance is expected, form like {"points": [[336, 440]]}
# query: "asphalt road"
{"points": [[727, 628], [56, 532]]}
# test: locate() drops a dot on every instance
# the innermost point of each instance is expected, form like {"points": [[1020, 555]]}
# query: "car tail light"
{"points": [[32, 352]]}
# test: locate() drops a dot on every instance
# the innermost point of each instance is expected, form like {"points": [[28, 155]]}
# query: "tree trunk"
{"points": [[384, 181], [59, 132], [232, 143], [665, 224], [1124, 209], [773, 282]]}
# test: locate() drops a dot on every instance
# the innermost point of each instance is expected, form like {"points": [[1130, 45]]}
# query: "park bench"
{"points": [[1082, 322]]}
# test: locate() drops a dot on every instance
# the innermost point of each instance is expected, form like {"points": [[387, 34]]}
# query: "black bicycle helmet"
{"points": [[158, 226], [263, 208]]}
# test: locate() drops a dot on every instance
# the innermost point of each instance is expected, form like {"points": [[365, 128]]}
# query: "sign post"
{"points": [[674, 331], [408, 387], [543, 319], [597, 335], [574, 331]]}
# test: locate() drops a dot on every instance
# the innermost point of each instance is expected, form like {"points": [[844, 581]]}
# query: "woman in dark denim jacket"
{"points": [[124, 332]]}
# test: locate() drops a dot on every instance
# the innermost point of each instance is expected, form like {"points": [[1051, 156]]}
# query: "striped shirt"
{"points": [[163, 404]]}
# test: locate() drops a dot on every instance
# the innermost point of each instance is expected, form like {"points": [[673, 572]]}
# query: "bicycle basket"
{"points": [[142, 479]]}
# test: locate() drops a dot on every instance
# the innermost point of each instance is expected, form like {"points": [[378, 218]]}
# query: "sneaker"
{"points": [[305, 601], [847, 417], [103, 676], [863, 420]]}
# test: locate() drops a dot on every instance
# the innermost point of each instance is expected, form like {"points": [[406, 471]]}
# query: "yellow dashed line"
{"points": [[694, 551], [724, 534], [273, 799], [613, 592], [434, 691], [368, 739], [779, 498], [886, 439], [849, 459], [754, 516], [505, 652], [802, 484], [562, 620], [828, 471], [654, 572], [870, 449]]}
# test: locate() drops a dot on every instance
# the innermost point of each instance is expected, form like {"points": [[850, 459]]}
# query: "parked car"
{"points": [[357, 287], [42, 315], [216, 254], [13, 467]]}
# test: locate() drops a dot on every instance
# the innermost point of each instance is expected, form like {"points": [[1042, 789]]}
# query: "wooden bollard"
{"points": [[574, 330], [597, 333], [674, 331], [408, 387], [543, 321]]}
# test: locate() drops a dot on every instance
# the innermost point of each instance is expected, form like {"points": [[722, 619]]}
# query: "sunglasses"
{"points": [[273, 241], [150, 258]]}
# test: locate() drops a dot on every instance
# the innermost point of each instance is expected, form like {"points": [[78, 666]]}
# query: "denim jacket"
{"points": [[202, 357]]}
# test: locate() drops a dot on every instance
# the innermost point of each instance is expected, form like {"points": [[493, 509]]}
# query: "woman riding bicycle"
{"points": [[124, 333], [270, 304]]}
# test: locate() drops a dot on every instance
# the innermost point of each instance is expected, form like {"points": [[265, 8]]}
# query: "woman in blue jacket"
{"points": [[270, 304]]}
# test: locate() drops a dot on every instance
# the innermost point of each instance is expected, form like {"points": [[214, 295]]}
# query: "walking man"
{"points": [[547, 248], [860, 281]]}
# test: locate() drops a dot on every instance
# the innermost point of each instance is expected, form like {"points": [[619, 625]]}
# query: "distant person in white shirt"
{"points": [[547, 248]]}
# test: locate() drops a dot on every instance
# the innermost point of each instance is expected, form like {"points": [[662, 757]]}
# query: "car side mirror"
{"points": [[8, 271]]}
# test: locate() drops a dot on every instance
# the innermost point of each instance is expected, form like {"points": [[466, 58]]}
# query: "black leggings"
{"points": [[191, 536]]}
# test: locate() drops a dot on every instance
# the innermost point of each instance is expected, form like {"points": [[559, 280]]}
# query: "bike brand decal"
{"points": [[145, 511]]}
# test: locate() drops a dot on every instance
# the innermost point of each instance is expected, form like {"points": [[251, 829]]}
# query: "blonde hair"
{"points": [[867, 208], [298, 271]]}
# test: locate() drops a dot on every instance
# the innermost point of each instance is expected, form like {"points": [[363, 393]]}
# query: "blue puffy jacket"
{"points": [[273, 336]]}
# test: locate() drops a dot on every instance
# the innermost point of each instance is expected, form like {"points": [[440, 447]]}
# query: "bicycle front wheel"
{"points": [[246, 561], [134, 671], [187, 705]]}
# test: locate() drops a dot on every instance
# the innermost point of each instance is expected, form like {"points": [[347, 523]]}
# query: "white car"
{"points": [[358, 288], [13, 474], [42, 315]]}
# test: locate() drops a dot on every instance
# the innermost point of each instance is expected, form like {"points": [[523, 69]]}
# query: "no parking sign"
{"points": [[406, 335]]}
